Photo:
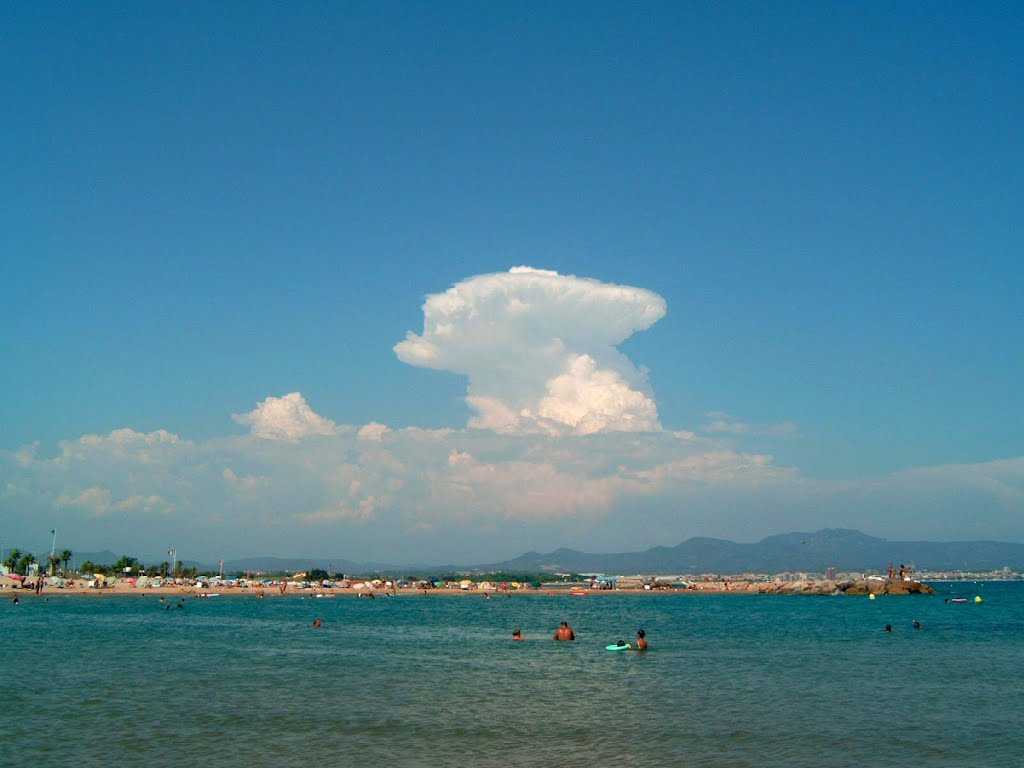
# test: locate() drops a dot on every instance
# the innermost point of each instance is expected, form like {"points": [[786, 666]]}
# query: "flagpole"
{"points": [[53, 548]]}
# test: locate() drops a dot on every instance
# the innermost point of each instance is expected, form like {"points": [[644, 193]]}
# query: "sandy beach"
{"points": [[122, 587]]}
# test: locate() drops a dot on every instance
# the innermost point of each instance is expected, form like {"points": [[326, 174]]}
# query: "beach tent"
{"points": [[465, 584]]}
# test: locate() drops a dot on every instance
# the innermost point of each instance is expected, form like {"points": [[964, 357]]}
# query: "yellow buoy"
{"points": [[871, 596], [977, 599]]}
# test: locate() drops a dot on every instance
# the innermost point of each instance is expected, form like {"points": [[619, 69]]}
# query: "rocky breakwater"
{"points": [[845, 587]]}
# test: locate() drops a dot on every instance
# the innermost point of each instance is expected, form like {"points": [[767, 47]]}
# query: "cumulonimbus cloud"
{"points": [[539, 349]]}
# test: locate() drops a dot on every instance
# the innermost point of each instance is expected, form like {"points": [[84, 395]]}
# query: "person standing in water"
{"points": [[565, 632], [641, 640]]}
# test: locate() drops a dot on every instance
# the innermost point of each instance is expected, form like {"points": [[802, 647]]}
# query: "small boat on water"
{"points": [[578, 592]]}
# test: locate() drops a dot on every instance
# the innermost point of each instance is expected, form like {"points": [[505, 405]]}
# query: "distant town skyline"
{"points": [[451, 284]]}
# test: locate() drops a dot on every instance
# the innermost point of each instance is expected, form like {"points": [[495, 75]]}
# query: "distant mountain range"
{"points": [[844, 550]]}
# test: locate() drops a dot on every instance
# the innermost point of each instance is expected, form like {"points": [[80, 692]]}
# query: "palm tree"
{"points": [[65, 557], [26, 560], [126, 561], [54, 561], [12, 560]]}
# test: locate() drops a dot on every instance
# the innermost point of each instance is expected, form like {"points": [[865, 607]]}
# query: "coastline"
{"points": [[858, 587]]}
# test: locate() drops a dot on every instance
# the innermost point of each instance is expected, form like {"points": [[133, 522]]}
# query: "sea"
{"points": [[436, 680]]}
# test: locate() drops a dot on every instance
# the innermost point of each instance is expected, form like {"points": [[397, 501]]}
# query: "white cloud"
{"points": [[591, 400], [99, 501], [564, 448], [373, 431], [470, 495], [286, 418], [361, 511], [539, 349], [94, 500], [25, 455], [724, 424], [245, 484], [124, 446]]}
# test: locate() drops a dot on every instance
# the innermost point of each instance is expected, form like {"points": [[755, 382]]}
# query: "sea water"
{"points": [[729, 680]]}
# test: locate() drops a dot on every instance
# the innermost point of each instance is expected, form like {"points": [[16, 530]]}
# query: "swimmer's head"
{"points": [[640, 633]]}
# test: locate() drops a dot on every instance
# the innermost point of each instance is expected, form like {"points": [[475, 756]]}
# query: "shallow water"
{"points": [[730, 680]]}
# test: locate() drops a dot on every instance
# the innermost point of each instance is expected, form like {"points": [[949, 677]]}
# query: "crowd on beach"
{"points": [[300, 583]]}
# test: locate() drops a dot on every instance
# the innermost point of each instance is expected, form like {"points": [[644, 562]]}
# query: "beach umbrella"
{"points": [[15, 576]]}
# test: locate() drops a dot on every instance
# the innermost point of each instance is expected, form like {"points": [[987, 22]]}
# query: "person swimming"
{"points": [[517, 634], [641, 640], [917, 624]]}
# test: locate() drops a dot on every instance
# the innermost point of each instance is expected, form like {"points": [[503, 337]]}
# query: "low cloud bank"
{"points": [[413, 495]]}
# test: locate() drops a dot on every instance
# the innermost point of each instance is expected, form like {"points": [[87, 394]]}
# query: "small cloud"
{"points": [[456, 458], [362, 511], [785, 429], [25, 455], [94, 500], [373, 431], [287, 418], [99, 502], [722, 423], [131, 437], [142, 503], [245, 483], [124, 445]]}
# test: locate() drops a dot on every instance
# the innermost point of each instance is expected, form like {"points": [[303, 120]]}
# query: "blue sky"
{"points": [[209, 207]]}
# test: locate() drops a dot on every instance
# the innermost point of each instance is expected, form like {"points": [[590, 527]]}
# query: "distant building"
{"points": [[830, 573]]}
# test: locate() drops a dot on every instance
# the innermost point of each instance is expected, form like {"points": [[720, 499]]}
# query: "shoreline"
{"points": [[859, 587]]}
